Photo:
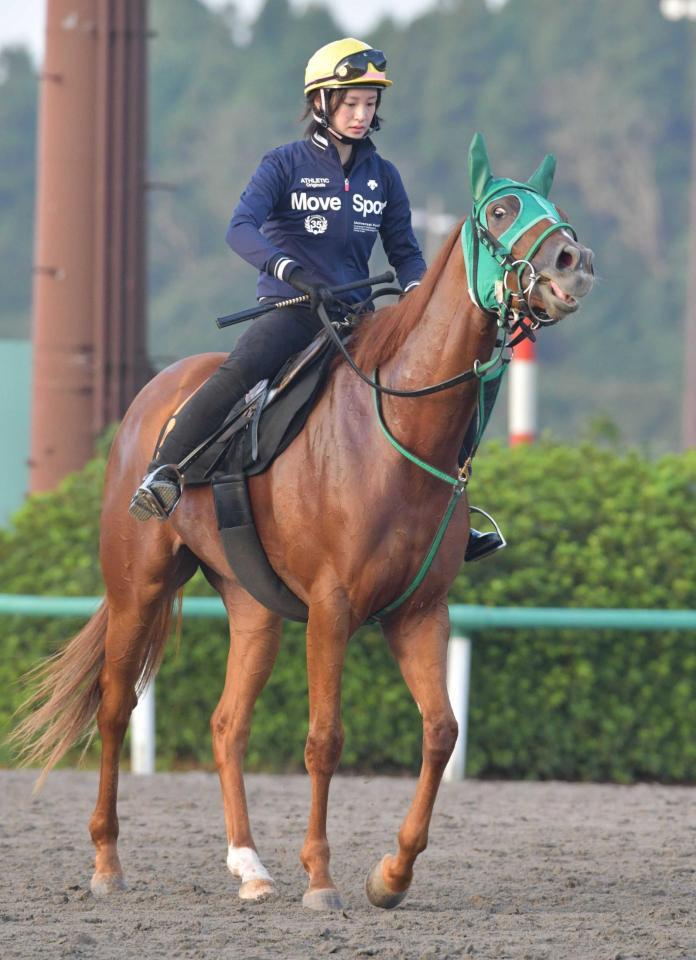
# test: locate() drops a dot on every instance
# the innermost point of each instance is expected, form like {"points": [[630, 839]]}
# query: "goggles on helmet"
{"points": [[357, 65]]}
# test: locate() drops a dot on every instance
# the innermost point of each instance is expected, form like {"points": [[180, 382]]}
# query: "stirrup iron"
{"points": [[482, 545], [157, 496]]}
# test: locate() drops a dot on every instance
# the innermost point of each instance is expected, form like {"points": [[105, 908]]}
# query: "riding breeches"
{"points": [[259, 354]]}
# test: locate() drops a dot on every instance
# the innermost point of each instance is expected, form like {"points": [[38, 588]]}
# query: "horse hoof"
{"points": [[256, 890], [378, 893], [328, 899], [106, 884]]}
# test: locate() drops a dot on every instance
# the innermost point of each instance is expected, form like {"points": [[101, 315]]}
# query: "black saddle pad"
{"points": [[285, 406]]}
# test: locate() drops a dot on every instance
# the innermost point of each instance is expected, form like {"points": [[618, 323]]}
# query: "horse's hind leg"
{"points": [[254, 641], [142, 576], [420, 647], [131, 633]]}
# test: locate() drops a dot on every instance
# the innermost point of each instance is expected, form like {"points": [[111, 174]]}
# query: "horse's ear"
{"points": [[479, 167], [542, 178]]}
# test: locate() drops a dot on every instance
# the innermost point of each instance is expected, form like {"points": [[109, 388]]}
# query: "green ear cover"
{"points": [[542, 178], [479, 167]]}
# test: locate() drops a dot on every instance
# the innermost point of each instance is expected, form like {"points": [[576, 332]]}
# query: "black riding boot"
{"points": [[161, 487], [259, 353], [481, 545]]}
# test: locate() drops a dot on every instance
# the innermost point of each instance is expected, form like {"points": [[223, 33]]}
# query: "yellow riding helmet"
{"points": [[346, 63]]}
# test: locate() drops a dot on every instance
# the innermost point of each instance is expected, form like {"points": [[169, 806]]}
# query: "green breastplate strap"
{"points": [[458, 484]]}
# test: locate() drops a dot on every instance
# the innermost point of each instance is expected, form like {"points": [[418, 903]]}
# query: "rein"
{"points": [[477, 371]]}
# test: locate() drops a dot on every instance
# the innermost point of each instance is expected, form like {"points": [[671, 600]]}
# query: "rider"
{"points": [[307, 220]]}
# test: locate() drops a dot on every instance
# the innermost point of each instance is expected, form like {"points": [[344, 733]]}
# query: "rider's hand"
{"points": [[317, 290]]}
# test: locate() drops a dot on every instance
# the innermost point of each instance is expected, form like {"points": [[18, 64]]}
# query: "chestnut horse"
{"points": [[345, 520]]}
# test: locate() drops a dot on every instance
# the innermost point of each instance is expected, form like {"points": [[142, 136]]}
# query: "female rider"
{"points": [[307, 220]]}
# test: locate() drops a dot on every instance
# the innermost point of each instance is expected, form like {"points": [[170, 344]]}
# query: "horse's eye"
{"points": [[499, 213]]}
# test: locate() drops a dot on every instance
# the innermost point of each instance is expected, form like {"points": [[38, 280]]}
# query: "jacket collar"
{"points": [[321, 142]]}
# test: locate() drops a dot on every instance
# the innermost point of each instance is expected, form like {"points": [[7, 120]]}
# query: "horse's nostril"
{"points": [[567, 258]]}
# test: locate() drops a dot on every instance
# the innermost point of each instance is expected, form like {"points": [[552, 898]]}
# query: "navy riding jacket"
{"points": [[301, 209]]}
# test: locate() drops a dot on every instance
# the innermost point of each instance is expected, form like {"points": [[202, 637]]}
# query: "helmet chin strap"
{"points": [[322, 118]]}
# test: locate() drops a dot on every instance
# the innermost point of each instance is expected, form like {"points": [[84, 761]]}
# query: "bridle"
{"points": [[512, 308], [496, 299]]}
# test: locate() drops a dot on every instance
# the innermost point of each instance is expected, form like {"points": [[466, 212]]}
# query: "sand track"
{"points": [[526, 871]]}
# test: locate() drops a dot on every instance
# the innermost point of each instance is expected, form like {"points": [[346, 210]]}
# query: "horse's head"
{"points": [[521, 253]]}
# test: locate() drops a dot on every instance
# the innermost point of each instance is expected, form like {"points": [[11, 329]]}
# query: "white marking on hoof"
{"points": [[243, 862], [257, 890], [106, 884]]}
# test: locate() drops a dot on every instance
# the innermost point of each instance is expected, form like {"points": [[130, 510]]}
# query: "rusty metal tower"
{"points": [[89, 330]]}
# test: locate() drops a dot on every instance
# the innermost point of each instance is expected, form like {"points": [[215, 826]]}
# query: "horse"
{"points": [[345, 520]]}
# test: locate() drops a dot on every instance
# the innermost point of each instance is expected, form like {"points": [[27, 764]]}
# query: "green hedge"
{"points": [[586, 527]]}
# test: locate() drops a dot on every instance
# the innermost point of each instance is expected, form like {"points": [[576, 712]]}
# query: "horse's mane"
{"points": [[382, 334]]}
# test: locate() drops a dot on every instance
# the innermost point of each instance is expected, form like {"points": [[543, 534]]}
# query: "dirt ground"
{"points": [[530, 871]]}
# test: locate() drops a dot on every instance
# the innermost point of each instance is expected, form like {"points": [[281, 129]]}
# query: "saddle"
{"points": [[257, 430]]}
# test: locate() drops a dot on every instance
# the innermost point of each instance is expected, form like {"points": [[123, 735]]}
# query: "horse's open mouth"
{"points": [[561, 294], [555, 299]]}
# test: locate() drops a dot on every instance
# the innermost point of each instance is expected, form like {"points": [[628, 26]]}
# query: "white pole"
{"points": [[458, 674], [522, 395], [676, 9], [142, 727]]}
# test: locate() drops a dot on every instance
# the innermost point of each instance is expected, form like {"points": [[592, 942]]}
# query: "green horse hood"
{"points": [[485, 262]]}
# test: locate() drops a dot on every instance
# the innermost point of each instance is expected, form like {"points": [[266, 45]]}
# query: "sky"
{"points": [[22, 21]]}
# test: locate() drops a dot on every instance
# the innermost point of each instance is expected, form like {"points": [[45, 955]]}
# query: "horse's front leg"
{"points": [[328, 630], [254, 641], [419, 643]]}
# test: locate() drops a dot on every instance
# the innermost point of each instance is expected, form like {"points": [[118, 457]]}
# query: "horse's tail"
{"points": [[66, 698]]}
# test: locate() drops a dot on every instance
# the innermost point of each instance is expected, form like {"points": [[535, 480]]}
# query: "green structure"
{"points": [[15, 413]]}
